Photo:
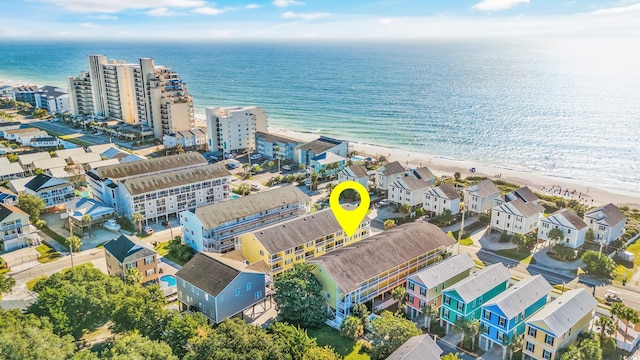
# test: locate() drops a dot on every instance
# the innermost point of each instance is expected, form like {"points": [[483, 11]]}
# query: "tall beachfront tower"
{"points": [[137, 93], [234, 128]]}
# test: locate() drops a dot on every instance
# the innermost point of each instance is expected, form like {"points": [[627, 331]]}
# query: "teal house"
{"points": [[465, 298], [504, 316]]}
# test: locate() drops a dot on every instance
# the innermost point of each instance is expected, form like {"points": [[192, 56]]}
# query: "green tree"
{"points": [[87, 219], [428, 311], [360, 311], [513, 344], [276, 150], [6, 116], [33, 205], [141, 309], [388, 333], [450, 356], [564, 252], [137, 219], [607, 327], [245, 166], [629, 315], [133, 277], [6, 284], [555, 236], [183, 328], [26, 336], [178, 149], [405, 210], [590, 349], [297, 342], [12, 158], [589, 236], [38, 171], [329, 187], [457, 176], [301, 167], [39, 113], [446, 217], [135, 346], [382, 159], [598, 265], [351, 328], [314, 181], [400, 295], [73, 243], [299, 297], [389, 224], [617, 311]]}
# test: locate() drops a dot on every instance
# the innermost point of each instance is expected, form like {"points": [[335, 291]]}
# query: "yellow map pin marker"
{"points": [[349, 220]]}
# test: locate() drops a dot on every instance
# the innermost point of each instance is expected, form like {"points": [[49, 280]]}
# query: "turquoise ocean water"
{"points": [[567, 108]]}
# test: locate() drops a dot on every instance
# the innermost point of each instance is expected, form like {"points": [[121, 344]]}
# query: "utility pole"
{"points": [[461, 229], [70, 244]]}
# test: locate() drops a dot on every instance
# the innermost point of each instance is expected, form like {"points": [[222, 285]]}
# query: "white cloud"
{"points": [[286, 3], [208, 10], [162, 11], [619, 10], [304, 16], [253, 6], [88, 25], [497, 5], [114, 6], [386, 21], [103, 17]]}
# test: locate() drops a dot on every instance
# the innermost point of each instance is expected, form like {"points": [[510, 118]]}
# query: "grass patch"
{"points": [[87, 265], [466, 241], [47, 254], [55, 236], [523, 256], [68, 138], [101, 245], [4, 270], [162, 248], [623, 270], [327, 336], [32, 283]]}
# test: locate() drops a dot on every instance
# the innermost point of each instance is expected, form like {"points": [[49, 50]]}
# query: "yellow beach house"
{"points": [[298, 240]]}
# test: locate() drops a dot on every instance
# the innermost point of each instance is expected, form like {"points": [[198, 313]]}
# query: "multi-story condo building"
{"points": [[215, 227], [267, 144], [105, 182], [29, 94], [411, 188], [425, 287], [377, 265], [440, 198], [607, 223], [232, 129], [312, 149], [504, 316], [128, 252], [140, 93], [387, 174], [299, 240], [54, 100], [194, 139], [572, 227], [220, 287], [357, 173], [517, 212], [55, 192], [558, 324], [479, 197], [14, 228], [464, 299]]}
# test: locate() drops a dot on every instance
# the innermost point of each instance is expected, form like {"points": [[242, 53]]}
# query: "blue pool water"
{"points": [[169, 279], [235, 196]]}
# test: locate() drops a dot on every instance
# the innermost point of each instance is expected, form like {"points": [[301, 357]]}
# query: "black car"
{"points": [[166, 223]]}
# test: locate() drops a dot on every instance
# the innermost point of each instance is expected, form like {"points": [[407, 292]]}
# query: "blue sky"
{"points": [[315, 19]]}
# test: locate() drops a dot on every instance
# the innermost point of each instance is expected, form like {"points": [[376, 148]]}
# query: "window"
{"points": [[261, 253], [328, 296], [131, 266], [150, 272], [548, 339], [486, 329], [423, 291], [237, 292], [530, 347], [532, 332], [502, 321], [248, 286], [487, 315], [460, 306], [288, 261], [568, 231], [500, 336], [411, 299], [412, 286], [546, 355], [446, 299], [445, 313], [258, 295], [148, 260]]}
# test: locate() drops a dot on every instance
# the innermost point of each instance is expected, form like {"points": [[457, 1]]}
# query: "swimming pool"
{"points": [[235, 196], [169, 279]]}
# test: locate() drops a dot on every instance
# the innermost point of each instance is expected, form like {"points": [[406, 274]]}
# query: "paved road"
{"points": [[58, 265]]}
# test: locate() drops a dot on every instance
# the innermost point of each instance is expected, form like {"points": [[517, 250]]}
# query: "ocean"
{"points": [[568, 108]]}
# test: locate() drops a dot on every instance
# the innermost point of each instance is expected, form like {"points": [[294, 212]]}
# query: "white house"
{"points": [[479, 197], [24, 136], [317, 147], [442, 197], [55, 192], [607, 222], [516, 217], [409, 190], [387, 174], [45, 142], [357, 173], [9, 170], [571, 225], [194, 139]]}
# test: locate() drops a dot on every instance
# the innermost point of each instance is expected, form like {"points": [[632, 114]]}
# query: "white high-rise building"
{"points": [[234, 128], [141, 93]]}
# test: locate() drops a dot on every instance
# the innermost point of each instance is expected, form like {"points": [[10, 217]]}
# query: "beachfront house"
{"points": [[194, 139], [573, 228], [558, 324], [517, 212], [464, 299], [425, 287], [440, 198], [54, 191], [128, 252], [504, 316], [229, 287], [299, 240], [478, 198], [9, 170], [607, 223], [357, 173], [16, 231], [327, 164], [411, 188], [215, 227], [267, 144], [312, 149], [420, 347], [375, 266], [387, 174]]}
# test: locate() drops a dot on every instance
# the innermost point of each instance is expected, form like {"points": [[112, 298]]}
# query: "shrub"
{"points": [[485, 219], [504, 238]]}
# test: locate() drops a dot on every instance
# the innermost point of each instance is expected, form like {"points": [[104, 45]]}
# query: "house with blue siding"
{"points": [[464, 299], [504, 316]]}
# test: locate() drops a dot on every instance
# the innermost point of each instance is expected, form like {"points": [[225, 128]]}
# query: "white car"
{"points": [[256, 156], [286, 167], [255, 187], [384, 202]]}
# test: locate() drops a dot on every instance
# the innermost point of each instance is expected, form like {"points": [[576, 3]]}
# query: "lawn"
{"points": [[466, 241], [623, 269], [47, 254], [55, 236], [524, 255], [162, 248], [349, 349], [31, 283]]}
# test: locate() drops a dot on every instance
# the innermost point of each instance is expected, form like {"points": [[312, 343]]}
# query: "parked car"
{"points": [[232, 166], [612, 297], [230, 156], [148, 230], [166, 223], [256, 156], [286, 167], [384, 202], [255, 187]]}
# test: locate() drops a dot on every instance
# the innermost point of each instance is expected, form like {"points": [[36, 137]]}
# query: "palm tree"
{"points": [[389, 224], [323, 173], [629, 315], [428, 311], [86, 221], [277, 149], [405, 210], [400, 295], [456, 175], [607, 327], [245, 166], [473, 328], [133, 277], [512, 344], [314, 181], [555, 236], [137, 218], [329, 187], [74, 243], [461, 325]]}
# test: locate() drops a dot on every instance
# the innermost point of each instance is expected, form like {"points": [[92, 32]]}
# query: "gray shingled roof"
{"points": [[612, 215], [484, 188], [298, 231], [520, 296], [443, 271], [146, 166], [369, 257], [169, 179], [526, 194], [216, 214], [481, 282], [393, 169], [571, 218], [128, 248], [423, 173], [359, 171], [449, 191], [526, 209], [411, 183], [318, 146], [565, 311], [276, 138], [421, 347]]}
